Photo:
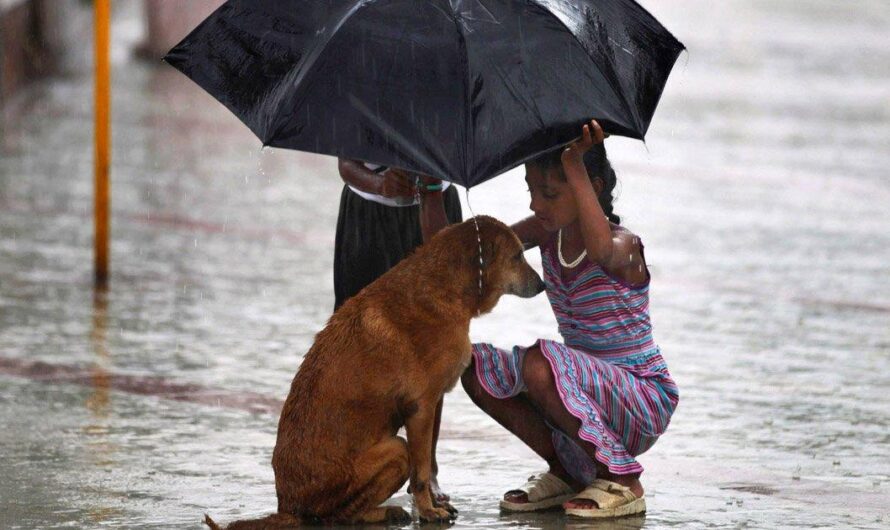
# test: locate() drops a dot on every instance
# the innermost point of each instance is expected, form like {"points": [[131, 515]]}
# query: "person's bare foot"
{"points": [[636, 487]]}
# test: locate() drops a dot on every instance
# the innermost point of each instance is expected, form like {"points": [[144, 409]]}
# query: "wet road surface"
{"points": [[761, 196]]}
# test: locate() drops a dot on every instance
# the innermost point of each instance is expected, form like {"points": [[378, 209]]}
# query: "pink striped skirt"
{"points": [[623, 405]]}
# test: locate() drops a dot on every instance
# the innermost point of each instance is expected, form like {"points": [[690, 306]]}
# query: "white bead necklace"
{"points": [[562, 260]]}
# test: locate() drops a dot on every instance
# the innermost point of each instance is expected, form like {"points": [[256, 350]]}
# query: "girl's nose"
{"points": [[534, 205]]}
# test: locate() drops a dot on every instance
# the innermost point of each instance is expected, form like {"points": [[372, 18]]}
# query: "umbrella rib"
{"points": [[467, 126], [311, 60], [389, 130], [619, 93]]}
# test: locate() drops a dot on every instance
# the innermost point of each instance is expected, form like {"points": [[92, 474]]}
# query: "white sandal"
{"points": [[613, 500], [544, 490]]}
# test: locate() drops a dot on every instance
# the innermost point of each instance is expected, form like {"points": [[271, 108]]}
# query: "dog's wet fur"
{"points": [[383, 361]]}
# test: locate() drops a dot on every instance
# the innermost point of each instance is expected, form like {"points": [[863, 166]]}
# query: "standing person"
{"points": [[590, 404], [384, 216], [380, 221]]}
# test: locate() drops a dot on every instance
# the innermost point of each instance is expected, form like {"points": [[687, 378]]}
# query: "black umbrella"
{"points": [[459, 89]]}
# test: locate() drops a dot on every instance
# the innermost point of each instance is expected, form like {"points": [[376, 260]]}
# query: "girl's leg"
{"points": [[518, 416], [543, 396]]}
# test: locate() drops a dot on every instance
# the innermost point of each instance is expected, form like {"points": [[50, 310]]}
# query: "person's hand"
{"points": [[396, 184], [573, 155], [591, 134], [429, 184]]}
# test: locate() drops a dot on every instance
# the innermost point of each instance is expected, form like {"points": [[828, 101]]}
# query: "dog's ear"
{"points": [[488, 249], [488, 252]]}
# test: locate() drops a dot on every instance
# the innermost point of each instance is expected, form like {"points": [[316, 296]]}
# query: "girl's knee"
{"points": [[536, 371]]}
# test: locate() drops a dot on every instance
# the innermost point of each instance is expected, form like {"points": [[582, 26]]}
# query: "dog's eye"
{"points": [[518, 257]]}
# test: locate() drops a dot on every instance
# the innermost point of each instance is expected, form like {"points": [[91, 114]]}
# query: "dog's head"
{"points": [[503, 265]]}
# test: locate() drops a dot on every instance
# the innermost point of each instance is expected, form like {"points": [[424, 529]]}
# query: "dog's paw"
{"points": [[436, 515], [446, 506], [396, 514]]}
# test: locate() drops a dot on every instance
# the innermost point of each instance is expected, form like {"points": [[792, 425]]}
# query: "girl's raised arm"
{"points": [[618, 252], [531, 232]]}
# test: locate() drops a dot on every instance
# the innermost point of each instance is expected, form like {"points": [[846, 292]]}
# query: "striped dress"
{"points": [[609, 371]]}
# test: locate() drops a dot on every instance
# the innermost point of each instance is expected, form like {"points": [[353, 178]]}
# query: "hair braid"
{"points": [[597, 164]]}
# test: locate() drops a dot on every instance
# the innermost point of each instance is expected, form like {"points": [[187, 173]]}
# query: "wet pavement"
{"points": [[761, 196]]}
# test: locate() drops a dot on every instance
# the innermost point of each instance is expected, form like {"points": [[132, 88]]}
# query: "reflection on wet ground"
{"points": [[761, 196]]}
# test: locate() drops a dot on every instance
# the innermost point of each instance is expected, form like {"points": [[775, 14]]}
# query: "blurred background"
{"points": [[761, 195]]}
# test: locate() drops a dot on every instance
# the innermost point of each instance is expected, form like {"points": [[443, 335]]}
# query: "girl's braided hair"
{"points": [[598, 166]]}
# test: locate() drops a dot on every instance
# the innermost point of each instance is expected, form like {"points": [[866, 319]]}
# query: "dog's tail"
{"points": [[271, 522]]}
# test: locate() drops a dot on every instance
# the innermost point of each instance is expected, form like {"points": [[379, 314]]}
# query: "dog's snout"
{"points": [[532, 286]]}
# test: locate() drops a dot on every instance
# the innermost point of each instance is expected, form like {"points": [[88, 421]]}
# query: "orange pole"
{"points": [[102, 139]]}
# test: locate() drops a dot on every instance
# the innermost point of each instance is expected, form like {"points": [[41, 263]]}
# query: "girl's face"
{"points": [[552, 199]]}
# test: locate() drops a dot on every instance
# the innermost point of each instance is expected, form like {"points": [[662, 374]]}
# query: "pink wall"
{"points": [[169, 21], [22, 54]]}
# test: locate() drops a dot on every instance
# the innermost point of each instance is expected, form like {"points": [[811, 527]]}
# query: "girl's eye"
{"points": [[550, 196]]}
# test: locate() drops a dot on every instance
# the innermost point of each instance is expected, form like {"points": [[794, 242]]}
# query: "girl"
{"points": [[589, 405]]}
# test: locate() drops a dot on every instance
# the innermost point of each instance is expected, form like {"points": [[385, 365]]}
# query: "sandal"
{"points": [[614, 500], [544, 490]]}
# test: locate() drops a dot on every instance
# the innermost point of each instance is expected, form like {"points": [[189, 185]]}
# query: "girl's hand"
{"points": [[573, 156], [428, 184], [396, 184]]}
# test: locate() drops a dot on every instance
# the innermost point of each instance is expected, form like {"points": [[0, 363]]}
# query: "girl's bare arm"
{"points": [[530, 232], [432, 209], [618, 251]]}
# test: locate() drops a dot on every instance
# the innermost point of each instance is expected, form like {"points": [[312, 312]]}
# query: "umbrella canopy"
{"points": [[462, 90]]}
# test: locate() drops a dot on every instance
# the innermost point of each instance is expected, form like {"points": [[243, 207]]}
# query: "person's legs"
{"points": [[519, 417], [452, 206], [371, 238], [544, 397], [360, 248]]}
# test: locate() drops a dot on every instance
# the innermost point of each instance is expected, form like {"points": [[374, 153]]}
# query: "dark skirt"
{"points": [[371, 238]]}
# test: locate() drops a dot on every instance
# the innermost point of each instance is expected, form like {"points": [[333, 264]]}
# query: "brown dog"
{"points": [[384, 360]]}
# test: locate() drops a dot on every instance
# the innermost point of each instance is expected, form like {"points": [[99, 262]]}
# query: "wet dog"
{"points": [[383, 361]]}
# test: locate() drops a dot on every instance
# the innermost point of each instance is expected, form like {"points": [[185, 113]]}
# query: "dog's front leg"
{"points": [[419, 427]]}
